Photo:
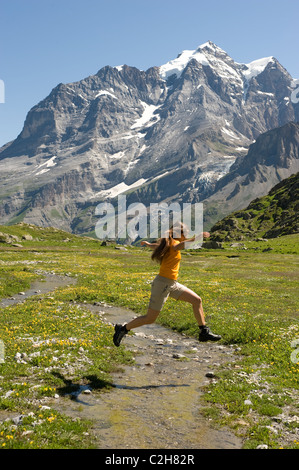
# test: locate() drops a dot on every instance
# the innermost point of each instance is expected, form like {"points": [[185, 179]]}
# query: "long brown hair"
{"points": [[164, 243], [161, 250]]}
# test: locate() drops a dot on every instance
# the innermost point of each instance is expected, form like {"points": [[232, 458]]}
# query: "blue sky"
{"points": [[46, 42]]}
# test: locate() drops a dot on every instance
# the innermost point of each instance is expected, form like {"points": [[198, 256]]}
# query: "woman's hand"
{"points": [[149, 245], [201, 236]]}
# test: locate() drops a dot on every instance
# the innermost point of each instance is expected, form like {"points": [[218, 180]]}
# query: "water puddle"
{"points": [[49, 283]]}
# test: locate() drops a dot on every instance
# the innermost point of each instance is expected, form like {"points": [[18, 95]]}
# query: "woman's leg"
{"points": [[147, 319], [194, 299], [121, 330], [189, 296]]}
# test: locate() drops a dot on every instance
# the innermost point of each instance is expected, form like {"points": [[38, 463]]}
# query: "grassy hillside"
{"points": [[271, 216]]}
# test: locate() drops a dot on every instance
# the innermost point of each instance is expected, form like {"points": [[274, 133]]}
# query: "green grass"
{"points": [[250, 297]]}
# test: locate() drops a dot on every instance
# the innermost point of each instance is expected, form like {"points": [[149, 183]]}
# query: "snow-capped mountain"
{"points": [[168, 133]]}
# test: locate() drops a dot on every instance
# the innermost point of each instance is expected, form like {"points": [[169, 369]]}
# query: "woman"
{"points": [[167, 253]]}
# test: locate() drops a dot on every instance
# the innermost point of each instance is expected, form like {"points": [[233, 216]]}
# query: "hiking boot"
{"points": [[206, 335], [120, 332]]}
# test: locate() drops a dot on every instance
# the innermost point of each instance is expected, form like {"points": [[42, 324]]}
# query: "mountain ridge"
{"points": [[272, 158], [123, 129]]}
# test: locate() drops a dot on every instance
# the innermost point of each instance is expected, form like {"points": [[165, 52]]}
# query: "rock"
{"points": [[262, 446], [247, 402], [159, 341], [107, 242], [178, 356], [21, 358], [7, 238], [27, 237], [210, 375], [18, 419], [212, 245]]}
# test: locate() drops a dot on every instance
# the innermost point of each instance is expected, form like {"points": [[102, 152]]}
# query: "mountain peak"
{"points": [[256, 67], [206, 54], [201, 54], [210, 54], [211, 46], [176, 66]]}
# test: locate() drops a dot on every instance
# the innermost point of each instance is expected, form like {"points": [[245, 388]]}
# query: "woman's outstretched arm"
{"points": [[181, 245], [149, 245]]}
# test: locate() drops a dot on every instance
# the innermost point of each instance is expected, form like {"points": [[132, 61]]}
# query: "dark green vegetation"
{"points": [[54, 344], [271, 216]]}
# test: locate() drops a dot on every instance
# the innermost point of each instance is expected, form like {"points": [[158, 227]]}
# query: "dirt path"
{"points": [[38, 287], [154, 404]]}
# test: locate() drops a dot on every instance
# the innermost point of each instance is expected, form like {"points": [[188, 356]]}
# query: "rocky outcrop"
{"points": [[272, 158], [270, 216]]}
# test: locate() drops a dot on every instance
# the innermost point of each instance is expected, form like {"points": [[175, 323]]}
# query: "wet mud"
{"points": [[155, 403]]}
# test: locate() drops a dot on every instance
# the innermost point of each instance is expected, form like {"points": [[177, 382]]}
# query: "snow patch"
{"points": [[256, 67], [117, 155], [105, 92], [49, 164], [42, 171], [231, 134], [265, 93], [147, 115], [177, 65], [119, 189], [143, 148], [130, 165]]}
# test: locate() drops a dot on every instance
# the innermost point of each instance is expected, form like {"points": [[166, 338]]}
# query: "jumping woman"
{"points": [[167, 252]]}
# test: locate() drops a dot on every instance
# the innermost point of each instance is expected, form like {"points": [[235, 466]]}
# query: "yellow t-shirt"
{"points": [[171, 262]]}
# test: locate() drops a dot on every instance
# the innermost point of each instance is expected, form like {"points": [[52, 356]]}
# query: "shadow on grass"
{"points": [[74, 389]]}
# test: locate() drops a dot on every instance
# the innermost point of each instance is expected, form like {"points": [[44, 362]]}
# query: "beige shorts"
{"points": [[162, 287]]}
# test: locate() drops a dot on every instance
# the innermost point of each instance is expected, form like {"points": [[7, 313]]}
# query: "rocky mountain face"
{"points": [[272, 158], [179, 132]]}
